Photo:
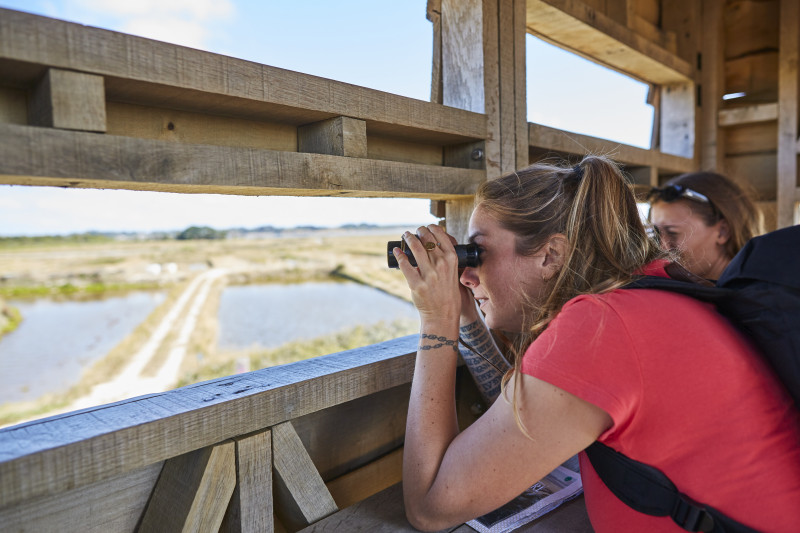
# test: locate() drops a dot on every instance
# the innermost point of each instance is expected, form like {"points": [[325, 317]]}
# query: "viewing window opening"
{"points": [[568, 92]]}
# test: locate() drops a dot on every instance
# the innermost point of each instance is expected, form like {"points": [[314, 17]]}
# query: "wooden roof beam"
{"points": [[575, 26]]}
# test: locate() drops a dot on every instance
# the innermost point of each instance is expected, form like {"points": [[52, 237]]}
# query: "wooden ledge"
{"points": [[384, 513]]}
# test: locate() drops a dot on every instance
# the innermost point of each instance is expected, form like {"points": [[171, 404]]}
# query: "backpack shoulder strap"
{"points": [[647, 490]]}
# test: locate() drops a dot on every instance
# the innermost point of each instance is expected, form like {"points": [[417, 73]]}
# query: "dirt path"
{"points": [[130, 382]]}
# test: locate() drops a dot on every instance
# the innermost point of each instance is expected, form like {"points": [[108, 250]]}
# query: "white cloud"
{"points": [[185, 22], [194, 9]]}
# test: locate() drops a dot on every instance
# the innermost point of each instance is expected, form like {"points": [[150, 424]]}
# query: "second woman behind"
{"points": [[706, 218]]}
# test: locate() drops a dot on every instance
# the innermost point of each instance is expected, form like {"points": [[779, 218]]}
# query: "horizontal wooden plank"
{"points": [[370, 479], [43, 156], [552, 139], [149, 72], [116, 504], [752, 138], [52, 455], [748, 114], [573, 25]]}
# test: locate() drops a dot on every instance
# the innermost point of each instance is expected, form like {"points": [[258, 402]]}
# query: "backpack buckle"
{"points": [[691, 517]]}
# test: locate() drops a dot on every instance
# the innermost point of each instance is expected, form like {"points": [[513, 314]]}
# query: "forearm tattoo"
{"points": [[487, 371], [442, 341]]}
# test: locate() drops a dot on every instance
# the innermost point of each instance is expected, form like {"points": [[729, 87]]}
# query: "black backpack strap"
{"points": [[647, 490]]}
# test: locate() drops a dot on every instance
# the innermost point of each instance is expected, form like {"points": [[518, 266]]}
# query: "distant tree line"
{"points": [[193, 232], [201, 232]]}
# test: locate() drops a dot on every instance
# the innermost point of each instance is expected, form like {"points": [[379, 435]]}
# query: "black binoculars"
{"points": [[467, 254]]}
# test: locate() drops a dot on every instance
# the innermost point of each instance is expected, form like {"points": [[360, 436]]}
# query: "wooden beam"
{"points": [[55, 454], [193, 491], [545, 138], [362, 483], [788, 102], [251, 507], [301, 497], [147, 72], [42, 156], [491, 87], [750, 114], [711, 142], [520, 85], [343, 136], [69, 100], [573, 25]]}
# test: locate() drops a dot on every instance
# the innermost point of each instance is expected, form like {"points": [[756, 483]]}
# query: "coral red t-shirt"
{"points": [[687, 394]]}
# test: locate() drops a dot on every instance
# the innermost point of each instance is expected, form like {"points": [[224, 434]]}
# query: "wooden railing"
{"points": [[276, 448]]}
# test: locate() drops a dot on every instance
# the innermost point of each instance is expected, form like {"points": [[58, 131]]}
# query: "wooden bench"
{"points": [[384, 512]]}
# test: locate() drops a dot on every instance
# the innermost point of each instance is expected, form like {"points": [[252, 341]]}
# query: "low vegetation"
{"points": [[76, 270]]}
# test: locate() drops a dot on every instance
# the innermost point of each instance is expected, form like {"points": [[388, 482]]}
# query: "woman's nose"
{"points": [[469, 278]]}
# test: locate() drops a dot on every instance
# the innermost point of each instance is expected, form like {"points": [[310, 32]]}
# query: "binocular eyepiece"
{"points": [[467, 254]]}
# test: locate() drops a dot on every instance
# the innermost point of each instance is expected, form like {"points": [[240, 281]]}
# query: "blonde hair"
{"points": [[593, 206]]}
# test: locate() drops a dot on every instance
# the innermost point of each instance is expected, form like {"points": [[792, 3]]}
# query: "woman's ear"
{"points": [[555, 254], [723, 232]]}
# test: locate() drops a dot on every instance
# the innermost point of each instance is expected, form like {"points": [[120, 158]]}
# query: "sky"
{"points": [[380, 44]]}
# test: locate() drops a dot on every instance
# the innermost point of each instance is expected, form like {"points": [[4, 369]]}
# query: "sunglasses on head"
{"points": [[670, 193]]}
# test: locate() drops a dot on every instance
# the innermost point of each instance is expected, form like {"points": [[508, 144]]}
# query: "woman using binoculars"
{"points": [[659, 376]]}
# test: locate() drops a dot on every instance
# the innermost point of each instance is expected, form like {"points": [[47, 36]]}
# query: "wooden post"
{"points": [[434, 14], [712, 149], [251, 509], [676, 135], [69, 100], [788, 95]]}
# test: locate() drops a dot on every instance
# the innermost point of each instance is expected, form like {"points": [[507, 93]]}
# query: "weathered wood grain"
{"points": [[748, 114], [370, 479], [712, 78], [43, 156], [251, 506], [677, 115], [154, 73], [381, 513], [352, 434], [56, 454], [116, 504], [342, 136], [575, 26], [69, 100], [551, 139], [788, 96], [193, 491], [301, 498]]}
